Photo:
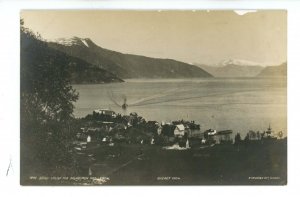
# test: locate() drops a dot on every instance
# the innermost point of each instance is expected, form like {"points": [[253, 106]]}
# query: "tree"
{"points": [[46, 92], [237, 139], [47, 99]]}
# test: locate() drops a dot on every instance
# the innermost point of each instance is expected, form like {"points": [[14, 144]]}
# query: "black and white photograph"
{"points": [[153, 97]]}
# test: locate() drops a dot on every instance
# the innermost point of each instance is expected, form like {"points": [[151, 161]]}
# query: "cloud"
{"points": [[243, 12]]}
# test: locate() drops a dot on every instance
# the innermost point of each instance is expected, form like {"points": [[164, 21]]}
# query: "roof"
{"points": [[103, 110], [180, 127], [210, 132], [133, 114], [224, 132]]}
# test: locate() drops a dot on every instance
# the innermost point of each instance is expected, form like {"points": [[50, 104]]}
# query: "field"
{"points": [[127, 164]]}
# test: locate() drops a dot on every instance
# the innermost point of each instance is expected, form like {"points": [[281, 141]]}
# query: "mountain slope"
{"points": [[126, 65], [274, 71], [36, 53]]}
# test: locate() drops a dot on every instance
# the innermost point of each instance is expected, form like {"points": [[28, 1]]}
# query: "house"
{"points": [[106, 112], [133, 114], [208, 136], [193, 129], [224, 137], [159, 130], [179, 130]]}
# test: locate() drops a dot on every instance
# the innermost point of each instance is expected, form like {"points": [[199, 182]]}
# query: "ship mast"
{"points": [[269, 131]]}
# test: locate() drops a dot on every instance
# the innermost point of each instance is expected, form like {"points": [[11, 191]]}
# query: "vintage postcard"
{"points": [[153, 97]]}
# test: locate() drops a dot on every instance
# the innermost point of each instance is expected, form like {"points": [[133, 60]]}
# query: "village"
{"points": [[106, 127], [116, 146], [110, 148]]}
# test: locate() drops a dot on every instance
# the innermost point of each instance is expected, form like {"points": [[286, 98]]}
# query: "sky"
{"points": [[203, 37]]}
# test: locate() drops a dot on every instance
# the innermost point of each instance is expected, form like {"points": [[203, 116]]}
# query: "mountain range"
{"points": [[233, 68], [241, 68], [90, 63], [126, 66]]}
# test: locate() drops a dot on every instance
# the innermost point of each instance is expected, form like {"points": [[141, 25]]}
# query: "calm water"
{"points": [[219, 103]]}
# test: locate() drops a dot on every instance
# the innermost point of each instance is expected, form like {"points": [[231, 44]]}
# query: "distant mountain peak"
{"points": [[74, 41], [238, 62]]}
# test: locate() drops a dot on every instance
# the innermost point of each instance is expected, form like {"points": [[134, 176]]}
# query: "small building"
{"points": [[134, 114], [106, 112], [224, 137], [209, 133], [88, 139], [159, 130], [208, 136], [193, 129], [179, 130]]}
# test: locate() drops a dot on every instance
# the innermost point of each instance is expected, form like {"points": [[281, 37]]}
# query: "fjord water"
{"points": [[240, 104]]}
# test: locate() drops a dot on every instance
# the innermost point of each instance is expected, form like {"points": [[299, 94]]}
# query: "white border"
{"points": [[9, 97]]}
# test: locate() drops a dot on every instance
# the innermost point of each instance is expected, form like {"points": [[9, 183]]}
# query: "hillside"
{"points": [[126, 65], [35, 54], [274, 71]]}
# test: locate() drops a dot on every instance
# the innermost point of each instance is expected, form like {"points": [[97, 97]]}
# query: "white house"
{"points": [[179, 130], [106, 112], [159, 130]]}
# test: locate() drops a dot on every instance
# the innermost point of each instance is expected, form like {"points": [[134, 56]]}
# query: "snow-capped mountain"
{"points": [[73, 41], [234, 68], [238, 62]]}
